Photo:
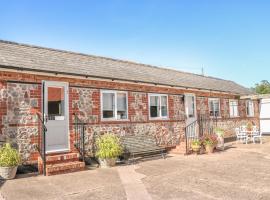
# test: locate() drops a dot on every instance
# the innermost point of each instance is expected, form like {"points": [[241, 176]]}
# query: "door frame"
{"points": [[190, 119], [45, 85]]}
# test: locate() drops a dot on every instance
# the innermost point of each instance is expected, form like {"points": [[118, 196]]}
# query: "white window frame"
{"points": [[149, 111], [232, 115], [247, 107], [219, 111], [115, 107]]}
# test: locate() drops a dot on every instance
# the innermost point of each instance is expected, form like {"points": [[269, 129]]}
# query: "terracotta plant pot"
{"points": [[8, 172], [209, 148], [107, 162], [196, 148]]}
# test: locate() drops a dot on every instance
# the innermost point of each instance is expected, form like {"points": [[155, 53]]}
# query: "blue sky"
{"points": [[230, 39]]}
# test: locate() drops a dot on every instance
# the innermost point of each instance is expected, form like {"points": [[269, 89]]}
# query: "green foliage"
{"points": [[9, 157], [209, 140], [196, 143], [108, 146], [249, 126], [263, 87], [219, 131]]}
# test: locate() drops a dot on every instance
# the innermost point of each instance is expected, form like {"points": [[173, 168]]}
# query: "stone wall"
{"points": [[176, 107], [85, 102], [138, 106], [202, 105], [225, 108], [229, 125], [19, 126], [165, 133], [3, 106]]}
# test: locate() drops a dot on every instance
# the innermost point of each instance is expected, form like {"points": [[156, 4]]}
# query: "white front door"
{"points": [[190, 107], [265, 116], [191, 114], [55, 105]]}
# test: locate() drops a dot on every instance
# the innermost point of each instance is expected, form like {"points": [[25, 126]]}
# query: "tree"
{"points": [[262, 88]]}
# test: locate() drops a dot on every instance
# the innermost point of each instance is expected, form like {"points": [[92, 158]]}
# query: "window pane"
{"points": [[154, 106], [121, 106], [211, 107], [214, 107], [164, 106], [190, 106], [56, 102], [108, 105], [233, 108]]}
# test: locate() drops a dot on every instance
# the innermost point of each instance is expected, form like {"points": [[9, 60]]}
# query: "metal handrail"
{"points": [[203, 125], [79, 130], [190, 128], [42, 141]]}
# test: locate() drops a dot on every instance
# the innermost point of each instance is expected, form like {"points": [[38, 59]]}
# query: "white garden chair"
{"points": [[256, 134], [241, 135]]}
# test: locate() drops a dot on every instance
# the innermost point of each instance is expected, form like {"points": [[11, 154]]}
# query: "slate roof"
{"points": [[29, 57]]}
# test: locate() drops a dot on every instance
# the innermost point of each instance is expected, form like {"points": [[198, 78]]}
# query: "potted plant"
{"points": [[210, 142], [108, 149], [9, 161], [249, 126], [196, 146], [220, 137]]}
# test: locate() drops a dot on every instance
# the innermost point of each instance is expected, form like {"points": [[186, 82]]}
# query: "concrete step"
{"points": [[61, 168]]}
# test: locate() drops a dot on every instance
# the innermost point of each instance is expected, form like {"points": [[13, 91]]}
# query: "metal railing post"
{"points": [[44, 151], [83, 143], [186, 141]]}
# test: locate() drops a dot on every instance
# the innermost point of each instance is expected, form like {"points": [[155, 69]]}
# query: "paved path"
{"points": [[240, 173], [132, 182]]}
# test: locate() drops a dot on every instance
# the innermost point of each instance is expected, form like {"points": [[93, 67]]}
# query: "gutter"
{"points": [[109, 78]]}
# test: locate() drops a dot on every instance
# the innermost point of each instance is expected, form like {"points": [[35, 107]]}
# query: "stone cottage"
{"points": [[109, 95]]}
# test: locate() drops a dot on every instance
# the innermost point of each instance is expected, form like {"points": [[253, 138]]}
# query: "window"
{"points": [[214, 107], [114, 105], [56, 102], [158, 106], [190, 105], [250, 108], [233, 108]]}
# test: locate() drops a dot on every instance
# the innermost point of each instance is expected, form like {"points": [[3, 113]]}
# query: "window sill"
{"points": [[212, 117], [114, 120], [158, 118], [234, 116]]}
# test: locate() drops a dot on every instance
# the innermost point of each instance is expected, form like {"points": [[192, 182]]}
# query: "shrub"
{"points": [[210, 140], [9, 157], [108, 146], [219, 131]]}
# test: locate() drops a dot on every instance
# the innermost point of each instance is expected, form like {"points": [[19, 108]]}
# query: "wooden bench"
{"points": [[141, 146]]}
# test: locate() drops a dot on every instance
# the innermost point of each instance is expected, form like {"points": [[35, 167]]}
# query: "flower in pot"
{"points": [[9, 161], [108, 149], [196, 146], [210, 142], [220, 137]]}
